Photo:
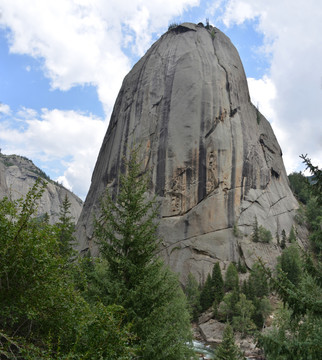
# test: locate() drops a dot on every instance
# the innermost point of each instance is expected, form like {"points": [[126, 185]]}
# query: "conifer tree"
{"points": [[258, 284], [255, 235], [283, 242], [231, 278], [65, 229], [292, 236], [290, 263], [207, 295], [228, 350], [217, 283], [193, 296], [138, 279]]}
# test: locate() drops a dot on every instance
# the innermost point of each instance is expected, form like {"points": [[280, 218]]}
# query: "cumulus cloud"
{"points": [[69, 138], [292, 36], [77, 42], [85, 42], [4, 109]]}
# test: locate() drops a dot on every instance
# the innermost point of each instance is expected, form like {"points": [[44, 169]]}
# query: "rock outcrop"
{"points": [[18, 174], [214, 160]]}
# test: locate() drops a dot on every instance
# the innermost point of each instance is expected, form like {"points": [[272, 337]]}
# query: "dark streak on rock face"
{"points": [[186, 102], [165, 114], [231, 194], [202, 172]]}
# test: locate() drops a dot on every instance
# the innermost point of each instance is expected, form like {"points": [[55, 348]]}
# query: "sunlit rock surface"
{"points": [[214, 160], [17, 176]]}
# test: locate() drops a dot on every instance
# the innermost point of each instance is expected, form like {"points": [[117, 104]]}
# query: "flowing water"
{"points": [[204, 351]]}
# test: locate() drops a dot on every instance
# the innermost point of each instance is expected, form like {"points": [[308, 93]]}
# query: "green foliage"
{"points": [[290, 264], [292, 236], [192, 293], [258, 285], [65, 229], [42, 315], [265, 236], [207, 294], [262, 310], [243, 320], [316, 183], [314, 223], [300, 186], [297, 332], [228, 350], [231, 278], [237, 233], [138, 279], [255, 234], [241, 267], [283, 242], [227, 308], [260, 234], [217, 283]]}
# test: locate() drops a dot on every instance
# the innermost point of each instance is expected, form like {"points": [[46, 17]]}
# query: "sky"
{"points": [[62, 63]]}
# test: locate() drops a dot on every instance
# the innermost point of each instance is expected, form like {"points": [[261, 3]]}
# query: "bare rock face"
{"points": [[214, 160], [18, 174]]}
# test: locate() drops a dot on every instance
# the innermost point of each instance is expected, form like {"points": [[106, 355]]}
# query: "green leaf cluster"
{"points": [[137, 279], [42, 314]]}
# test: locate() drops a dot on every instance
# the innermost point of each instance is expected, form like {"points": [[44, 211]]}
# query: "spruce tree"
{"points": [[290, 263], [231, 278], [207, 295], [193, 296], [228, 350], [217, 283], [138, 279], [65, 229], [283, 242], [292, 236], [255, 235]]}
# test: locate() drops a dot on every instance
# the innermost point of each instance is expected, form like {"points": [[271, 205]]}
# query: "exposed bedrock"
{"points": [[214, 160]]}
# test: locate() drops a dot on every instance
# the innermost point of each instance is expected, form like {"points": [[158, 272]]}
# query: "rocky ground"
{"points": [[210, 331]]}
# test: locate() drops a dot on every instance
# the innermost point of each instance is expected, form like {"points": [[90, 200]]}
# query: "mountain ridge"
{"points": [[17, 176]]}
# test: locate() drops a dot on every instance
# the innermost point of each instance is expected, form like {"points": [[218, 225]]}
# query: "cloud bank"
{"points": [[292, 40]]}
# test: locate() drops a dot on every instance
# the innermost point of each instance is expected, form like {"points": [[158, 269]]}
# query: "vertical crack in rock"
{"points": [[162, 148], [186, 102]]}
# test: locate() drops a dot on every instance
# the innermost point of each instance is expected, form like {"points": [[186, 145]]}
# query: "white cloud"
{"points": [[81, 42], [70, 138], [292, 36], [263, 92], [78, 42], [4, 109]]}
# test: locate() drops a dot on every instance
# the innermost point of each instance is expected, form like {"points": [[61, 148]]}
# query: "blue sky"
{"points": [[62, 63]]}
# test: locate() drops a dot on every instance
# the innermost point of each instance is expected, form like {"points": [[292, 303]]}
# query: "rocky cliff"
{"points": [[18, 174], [214, 159]]}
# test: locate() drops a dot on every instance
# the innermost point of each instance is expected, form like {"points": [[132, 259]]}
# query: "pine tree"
{"points": [[217, 283], [193, 296], [138, 279], [244, 312], [228, 350], [65, 229], [255, 235], [283, 242], [292, 236], [207, 295], [258, 284], [231, 278], [290, 263]]}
